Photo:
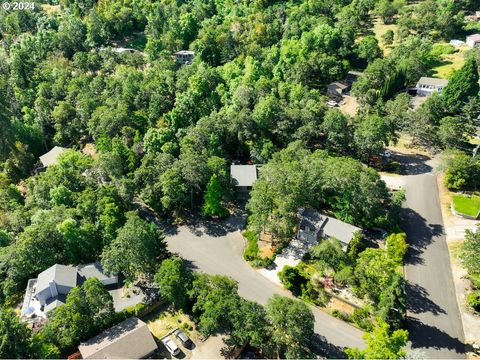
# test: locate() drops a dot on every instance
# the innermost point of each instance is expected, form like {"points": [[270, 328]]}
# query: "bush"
{"points": [[342, 315], [355, 247], [292, 279], [251, 252], [473, 300], [361, 317], [397, 247], [262, 262], [317, 296], [344, 276], [329, 252]]}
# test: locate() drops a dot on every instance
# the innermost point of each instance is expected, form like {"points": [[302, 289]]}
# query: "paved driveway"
{"points": [[217, 248], [433, 316]]}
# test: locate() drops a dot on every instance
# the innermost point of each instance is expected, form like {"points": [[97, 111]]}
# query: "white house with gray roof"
{"points": [[426, 86], [314, 226], [51, 287]]}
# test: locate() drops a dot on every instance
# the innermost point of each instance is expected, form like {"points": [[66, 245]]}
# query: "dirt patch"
{"points": [[405, 145], [337, 304], [349, 105]]}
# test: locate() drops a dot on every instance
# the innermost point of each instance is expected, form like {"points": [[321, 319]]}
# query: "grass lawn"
{"points": [[379, 28], [448, 63], [161, 322], [466, 205]]}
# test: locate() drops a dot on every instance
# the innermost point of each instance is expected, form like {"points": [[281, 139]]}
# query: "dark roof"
{"points": [[328, 226], [131, 339], [93, 270], [62, 275]]}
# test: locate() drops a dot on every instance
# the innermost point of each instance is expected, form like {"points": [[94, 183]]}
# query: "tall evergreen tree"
{"points": [[213, 199], [462, 85]]}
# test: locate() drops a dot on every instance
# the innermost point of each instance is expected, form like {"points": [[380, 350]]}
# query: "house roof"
{"points": [[131, 339], [474, 37], [244, 175], [51, 157], [337, 85], [55, 302], [62, 275], [432, 81], [185, 52], [328, 226], [93, 270]]}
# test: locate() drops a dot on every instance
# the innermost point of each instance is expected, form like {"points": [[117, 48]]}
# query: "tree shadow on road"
{"points": [[426, 336], [419, 235], [413, 164], [321, 347], [418, 300]]}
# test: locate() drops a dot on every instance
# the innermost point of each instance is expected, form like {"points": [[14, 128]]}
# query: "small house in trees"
{"points": [[51, 157], [184, 57], [473, 40], [314, 226], [130, 339], [426, 86], [243, 176], [51, 287], [337, 89]]}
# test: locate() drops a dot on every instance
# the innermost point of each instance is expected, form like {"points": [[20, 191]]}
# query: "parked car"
{"points": [[332, 103], [171, 346], [180, 335]]}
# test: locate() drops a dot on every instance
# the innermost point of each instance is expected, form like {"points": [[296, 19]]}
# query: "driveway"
{"points": [[433, 316], [217, 248]]}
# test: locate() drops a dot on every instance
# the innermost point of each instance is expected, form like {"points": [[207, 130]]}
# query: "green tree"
{"points": [[14, 336], [292, 326], [388, 36], [213, 199], [470, 255], [397, 246], [461, 85], [174, 281], [136, 250], [381, 344]]}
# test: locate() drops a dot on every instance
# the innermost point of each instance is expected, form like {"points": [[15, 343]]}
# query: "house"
{"points": [[337, 89], [51, 287], [457, 43], [184, 57], [243, 176], [314, 226], [130, 339], [51, 157], [473, 40], [426, 86]]}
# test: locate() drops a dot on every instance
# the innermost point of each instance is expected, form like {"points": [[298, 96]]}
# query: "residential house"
{"points": [[184, 57], [130, 339], [426, 86], [314, 226], [51, 157], [51, 287], [473, 40], [457, 43], [337, 89], [243, 176]]}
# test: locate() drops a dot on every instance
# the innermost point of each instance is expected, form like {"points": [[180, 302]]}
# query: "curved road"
{"points": [[217, 248]]}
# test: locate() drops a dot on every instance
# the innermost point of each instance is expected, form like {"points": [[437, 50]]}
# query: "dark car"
{"points": [[180, 335]]}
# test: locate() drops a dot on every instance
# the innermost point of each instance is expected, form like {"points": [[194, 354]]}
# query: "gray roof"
{"points": [[51, 157], [337, 85], [474, 37], [328, 226], [62, 275], [185, 52], [131, 339], [244, 175], [432, 81], [93, 270], [55, 302]]}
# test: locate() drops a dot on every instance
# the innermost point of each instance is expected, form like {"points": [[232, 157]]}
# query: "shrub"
{"points": [[292, 279], [473, 300], [344, 276], [342, 315], [251, 252], [397, 247], [317, 296], [361, 317], [355, 247], [329, 252]]}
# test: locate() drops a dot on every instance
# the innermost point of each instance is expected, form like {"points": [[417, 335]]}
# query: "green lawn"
{"points": [[466, 205]]}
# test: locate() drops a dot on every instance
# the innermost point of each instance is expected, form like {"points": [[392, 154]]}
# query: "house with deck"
{"points": [[426, 86]]}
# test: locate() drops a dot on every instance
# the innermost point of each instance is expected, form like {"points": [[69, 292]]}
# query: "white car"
{"points": [[171, 346], [332, 103]]}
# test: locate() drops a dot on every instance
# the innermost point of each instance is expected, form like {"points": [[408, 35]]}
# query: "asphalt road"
{"points": [[433, 319], [218, 248]]}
